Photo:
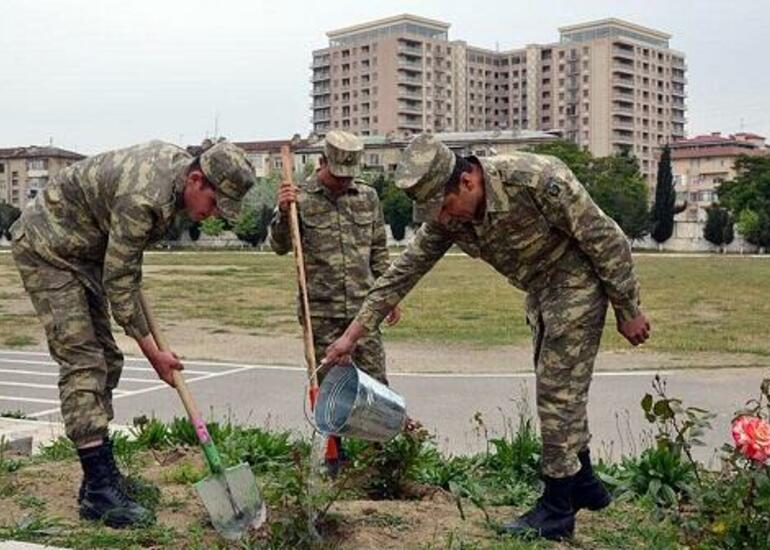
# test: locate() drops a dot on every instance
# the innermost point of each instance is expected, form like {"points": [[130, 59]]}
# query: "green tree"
{"points": [[617, 186], [213, 227], [748, 198], [396, 205], [614, 183], [719, 226], [8, 215], [578, 159], [664, 208], [252, 225], [397, 209]]}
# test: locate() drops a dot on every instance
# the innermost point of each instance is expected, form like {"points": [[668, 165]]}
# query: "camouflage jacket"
{"points": [[97, 216], [344, 244], [540, 230]]}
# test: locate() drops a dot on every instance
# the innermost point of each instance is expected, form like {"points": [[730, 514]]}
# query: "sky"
{"points": [[100, 74]]}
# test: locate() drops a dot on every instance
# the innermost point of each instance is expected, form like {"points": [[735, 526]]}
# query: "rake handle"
{"points": [[202, 433]]}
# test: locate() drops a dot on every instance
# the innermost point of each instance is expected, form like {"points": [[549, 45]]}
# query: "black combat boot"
{"points": [[553, 517], [131, 486], [104, 497], [588, 491]]}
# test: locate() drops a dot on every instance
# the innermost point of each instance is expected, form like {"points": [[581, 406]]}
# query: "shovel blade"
{"points": [[233, 501]]}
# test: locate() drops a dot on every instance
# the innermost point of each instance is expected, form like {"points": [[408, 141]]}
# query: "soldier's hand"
{"points": [[164, 363], [393, 317], [339, 351], [637, 330], [287, 194]]}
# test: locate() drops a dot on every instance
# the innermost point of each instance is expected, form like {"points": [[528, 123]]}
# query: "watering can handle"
{"points": [[202, 433]]}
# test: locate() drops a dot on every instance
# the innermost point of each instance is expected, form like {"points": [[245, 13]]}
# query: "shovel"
{"points": [[230, 495]]}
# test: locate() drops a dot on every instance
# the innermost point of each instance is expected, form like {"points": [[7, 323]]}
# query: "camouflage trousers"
{"points": [[77, 327], [567, 324], [369, 354]]}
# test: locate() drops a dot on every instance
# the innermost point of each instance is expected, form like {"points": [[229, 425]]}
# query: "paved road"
{"points": [[446, 403]]}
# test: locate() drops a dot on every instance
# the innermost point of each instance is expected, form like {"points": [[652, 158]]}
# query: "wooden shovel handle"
{"points": [[299, 262], [160, 341]]}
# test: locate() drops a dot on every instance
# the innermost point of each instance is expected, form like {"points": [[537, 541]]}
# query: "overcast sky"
{"points": [[94, 75]]}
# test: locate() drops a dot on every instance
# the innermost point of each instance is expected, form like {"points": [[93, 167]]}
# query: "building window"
{"points": [[2, 168]]}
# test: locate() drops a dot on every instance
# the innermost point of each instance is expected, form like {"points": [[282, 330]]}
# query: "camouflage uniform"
{"points": [[79, 245], [542, 231], [345, 249]]}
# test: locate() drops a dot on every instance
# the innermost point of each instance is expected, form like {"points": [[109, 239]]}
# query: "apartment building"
{"points": [[607, 85], [382, 153], [24, 171], [701, 163]]}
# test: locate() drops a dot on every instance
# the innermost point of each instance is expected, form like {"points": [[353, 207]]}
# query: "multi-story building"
{"points": [[701, 163], [382, 153], [607, 85], [24, 171]]}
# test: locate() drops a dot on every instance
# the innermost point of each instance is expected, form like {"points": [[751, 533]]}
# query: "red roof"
{"points": [[715, 151]]}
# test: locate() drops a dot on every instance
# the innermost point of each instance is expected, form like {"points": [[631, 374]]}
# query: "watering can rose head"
{"points": [[752, 437]]}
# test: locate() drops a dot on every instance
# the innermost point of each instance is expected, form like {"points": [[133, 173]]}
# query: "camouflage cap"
{"points": [[343, 151], [425, 167], [226, 167]]}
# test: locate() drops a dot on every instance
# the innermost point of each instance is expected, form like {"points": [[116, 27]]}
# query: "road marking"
{"points": [[148, 390], [53, 364], [28, 400], [56, 374]]}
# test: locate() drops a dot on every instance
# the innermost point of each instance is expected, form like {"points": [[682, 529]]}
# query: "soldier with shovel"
{"points": [[531, 219], [78, 247]]}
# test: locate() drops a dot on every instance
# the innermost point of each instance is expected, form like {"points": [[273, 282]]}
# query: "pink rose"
{"points": [[752, 437]]}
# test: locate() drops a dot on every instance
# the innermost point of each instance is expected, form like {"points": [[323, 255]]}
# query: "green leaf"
{"points": [[647, 403]]}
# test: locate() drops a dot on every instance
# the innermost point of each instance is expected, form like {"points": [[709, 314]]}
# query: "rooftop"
{"points": [[34, 151]]}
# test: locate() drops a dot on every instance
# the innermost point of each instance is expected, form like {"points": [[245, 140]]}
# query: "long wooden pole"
{"points": [[299, 262]]}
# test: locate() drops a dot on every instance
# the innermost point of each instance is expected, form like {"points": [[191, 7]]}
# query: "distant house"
{"points": [[24, 171]]}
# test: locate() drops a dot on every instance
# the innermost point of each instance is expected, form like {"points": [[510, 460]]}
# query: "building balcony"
{"points": [[413, 109], [678, 93], [623, 138], [622, 52], [320, 77], [617, 108], [37, 173], [404, 79], [409, 66], [623, 124], [410, 124], [679, 78], [321, 117], [409, 50], [626, 68], [622, 82], [317, 64], [410, 94]]}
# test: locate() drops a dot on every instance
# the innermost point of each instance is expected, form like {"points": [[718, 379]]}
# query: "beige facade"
{"points": [[608, 85], [382, 153], [24, 171], [701, 163]]}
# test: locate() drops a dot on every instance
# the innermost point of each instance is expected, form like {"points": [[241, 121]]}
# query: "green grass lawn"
{"points": [[696, 304]]}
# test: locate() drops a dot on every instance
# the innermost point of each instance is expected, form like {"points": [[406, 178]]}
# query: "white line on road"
{"points": [[56, 375], [147, 390], [28, 400], [287, 368], [53, 364], [46, 386]]}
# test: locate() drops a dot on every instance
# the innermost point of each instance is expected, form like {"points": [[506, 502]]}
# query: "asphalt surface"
{"points": [[273, 395]]}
